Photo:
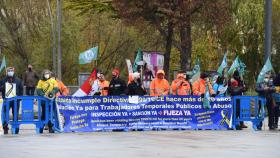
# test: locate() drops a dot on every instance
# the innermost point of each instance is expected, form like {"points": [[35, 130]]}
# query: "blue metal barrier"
{"points": [[27, 104], [251, 109]]}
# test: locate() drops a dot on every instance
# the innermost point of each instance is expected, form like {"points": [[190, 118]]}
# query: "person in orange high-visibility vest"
{"points": [[103, 84], [159, 86], [199, 86], [180, 86], [63, 90]]}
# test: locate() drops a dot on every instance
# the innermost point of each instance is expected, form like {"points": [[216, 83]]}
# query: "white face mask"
{"points": [[266, 79], [47, 76], [10, 73]]}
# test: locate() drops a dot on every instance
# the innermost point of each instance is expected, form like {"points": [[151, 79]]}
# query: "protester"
{"points": [[180, 86], [47, 87], [30, 79], [10, 86], [236, 87], [276, 97], [219, 87], [266, 89], [147, 77], [62, 89], [159, 86], [117, 86], [199, 86], [135, 87], [100, 86]]}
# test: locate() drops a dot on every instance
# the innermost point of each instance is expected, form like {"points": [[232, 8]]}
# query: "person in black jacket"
{"points": [[10, 86], [117, 86], [135, 87], [236, 87], [266, 89]]}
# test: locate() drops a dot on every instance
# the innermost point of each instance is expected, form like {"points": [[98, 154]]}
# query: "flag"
{"points": [[235, 65], [85, 88], [89, 55], [206, 100], [266, 68], [3, 64], [223, 65], [196, 71], [129, 66], [130, 70], [241, 68], [139, 57]]}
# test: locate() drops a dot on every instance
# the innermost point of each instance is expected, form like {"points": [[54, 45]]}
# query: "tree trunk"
{"points": [[168, 46], [186, 47]]}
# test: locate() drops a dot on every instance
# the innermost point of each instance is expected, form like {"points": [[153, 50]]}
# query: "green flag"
{"points": [[223, 65], [266, 68], [206, 100], [139, 57], [88, 55], [241, 68], [235, 65], [196, 71], [3, 64]]}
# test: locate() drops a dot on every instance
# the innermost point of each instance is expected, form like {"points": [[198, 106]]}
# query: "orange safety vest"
{"points": [[199, 87], [182, 89], [104, 86], [63, 90], [159, 87]]}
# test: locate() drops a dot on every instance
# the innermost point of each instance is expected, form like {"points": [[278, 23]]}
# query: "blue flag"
{"points": [[3, 64], [89, 55], [139, 57], [223, 65], [266, 68]]}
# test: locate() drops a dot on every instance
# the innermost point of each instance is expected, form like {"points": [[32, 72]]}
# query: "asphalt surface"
{"points": [[246, 143]]}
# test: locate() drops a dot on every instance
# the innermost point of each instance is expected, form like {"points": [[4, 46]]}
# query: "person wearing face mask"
{"points": [[117, 86], [47, 87], [266, 89], [100, 86], [236, 87], [135, 87], [199, 86], [159, 86], [10, 86], [30, 79], [180, 86]]}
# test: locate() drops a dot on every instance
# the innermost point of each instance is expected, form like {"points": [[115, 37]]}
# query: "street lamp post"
{"points": [[59, 56], [268, 23]]}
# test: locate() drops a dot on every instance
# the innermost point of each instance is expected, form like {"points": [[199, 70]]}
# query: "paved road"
{"points": [[175, 144]]}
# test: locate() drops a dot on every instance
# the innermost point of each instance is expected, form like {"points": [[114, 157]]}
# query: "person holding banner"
{"points": [[180, 86], [10, 86], [135, 87], [117, 86], [47, 87], [199, 86], [100, 86], [159, 86], [62, 89], [219, 87]]}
